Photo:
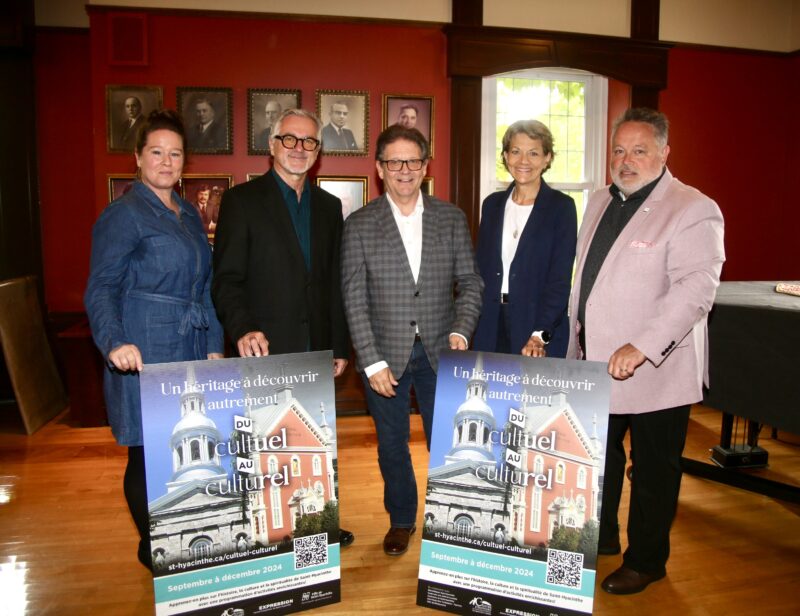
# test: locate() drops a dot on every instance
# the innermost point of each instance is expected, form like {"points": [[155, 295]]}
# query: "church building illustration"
{"points": [[208, 510], [473, 495]]}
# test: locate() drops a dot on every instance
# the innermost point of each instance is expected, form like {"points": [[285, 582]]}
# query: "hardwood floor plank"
{"points": [[68, 546]]}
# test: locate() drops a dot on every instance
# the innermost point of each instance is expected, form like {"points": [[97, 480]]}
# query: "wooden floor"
{"points": [[67, 545]]}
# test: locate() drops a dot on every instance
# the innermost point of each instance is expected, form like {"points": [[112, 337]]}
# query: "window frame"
{"points": [[596, 97]]}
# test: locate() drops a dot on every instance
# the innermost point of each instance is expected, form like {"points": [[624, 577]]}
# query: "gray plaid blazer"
{"points": [[383, 304]]}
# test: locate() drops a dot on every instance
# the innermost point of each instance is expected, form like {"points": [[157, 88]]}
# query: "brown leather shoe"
{"points": [[626, 581], [396, 540]]}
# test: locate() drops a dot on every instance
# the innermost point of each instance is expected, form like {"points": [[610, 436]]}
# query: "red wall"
{"points": [[244, 53], [734, 124], [734, 135], [66, 168]]}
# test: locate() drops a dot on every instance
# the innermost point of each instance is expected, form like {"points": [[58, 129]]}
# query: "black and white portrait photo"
{"points": [[126, 109], [207, 118], [263, 108], [345, 121]]}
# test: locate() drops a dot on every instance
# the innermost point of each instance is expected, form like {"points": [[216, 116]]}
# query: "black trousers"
{"points": [[503, 343], [657, 441], [136, 496]]}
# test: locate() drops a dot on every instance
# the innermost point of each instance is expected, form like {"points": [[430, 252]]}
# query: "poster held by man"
{"points": [[514, 485], [241, 483]]}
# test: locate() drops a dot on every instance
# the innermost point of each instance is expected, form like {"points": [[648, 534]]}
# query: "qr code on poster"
{"points": [[564, 568], [310, 551]]}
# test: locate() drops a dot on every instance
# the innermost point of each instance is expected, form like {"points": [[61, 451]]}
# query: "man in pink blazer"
{"points": [[650, 251]]}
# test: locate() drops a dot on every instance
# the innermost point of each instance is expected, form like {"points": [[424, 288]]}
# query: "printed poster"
{"points": [[241, 484], [514, 485]]}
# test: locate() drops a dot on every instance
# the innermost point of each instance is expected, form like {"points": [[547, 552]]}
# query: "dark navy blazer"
{"points": [[540, 275]]}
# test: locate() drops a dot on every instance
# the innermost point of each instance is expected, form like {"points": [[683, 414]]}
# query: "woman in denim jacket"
{"points": [[148, 296]]}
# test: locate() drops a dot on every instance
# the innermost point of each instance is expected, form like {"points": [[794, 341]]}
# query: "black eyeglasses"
{"points": [[289, 141], [413, 164]]}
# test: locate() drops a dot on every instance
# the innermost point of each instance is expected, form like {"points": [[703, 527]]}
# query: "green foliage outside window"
{"points": [[561, 105]]}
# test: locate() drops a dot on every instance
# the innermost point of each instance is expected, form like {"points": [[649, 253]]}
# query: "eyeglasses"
{"points": [[289, 141], [413, 164]]}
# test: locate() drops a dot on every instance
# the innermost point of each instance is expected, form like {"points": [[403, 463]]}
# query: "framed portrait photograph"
{"points": [[119, 184], [263, 109], [208, 118], [352, 190], [427, 185], [204, 192], [126, 109], [345, 121], [411, 111]]}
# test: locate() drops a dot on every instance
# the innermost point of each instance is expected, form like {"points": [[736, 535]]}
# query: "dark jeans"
{"points": [[657, 441], [391, 417]]}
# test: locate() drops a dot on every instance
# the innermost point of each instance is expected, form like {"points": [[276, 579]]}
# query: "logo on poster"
{"points": [[480, 606]]}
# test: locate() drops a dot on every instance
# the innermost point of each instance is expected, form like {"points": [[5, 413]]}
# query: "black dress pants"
{"points": [[657, 441]]}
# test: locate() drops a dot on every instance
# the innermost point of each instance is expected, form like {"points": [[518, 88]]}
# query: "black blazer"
{"points": [[260, 279], [541, 272]]}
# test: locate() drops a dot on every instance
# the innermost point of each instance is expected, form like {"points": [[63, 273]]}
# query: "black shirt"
{"points": [[618, 214]]}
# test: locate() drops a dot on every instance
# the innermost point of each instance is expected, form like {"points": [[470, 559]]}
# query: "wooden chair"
{"points": [[38, 389]]}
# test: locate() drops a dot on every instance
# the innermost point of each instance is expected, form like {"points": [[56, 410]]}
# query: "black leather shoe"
{"points": [[345, 538], [626, 581], [609, 548], [396, 540]]}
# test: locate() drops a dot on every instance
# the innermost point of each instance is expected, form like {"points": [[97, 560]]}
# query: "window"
{"points": [[201, 547], [582, 477], [272, 465], [275, 505], [572, 103], [561, 472], [195, 449], [536, 510], [295, 466], [317, 465], [463, 526]]}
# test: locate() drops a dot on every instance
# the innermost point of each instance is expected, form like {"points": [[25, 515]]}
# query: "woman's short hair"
{"points": [[396, 132], [160, 119], [535, 130]]}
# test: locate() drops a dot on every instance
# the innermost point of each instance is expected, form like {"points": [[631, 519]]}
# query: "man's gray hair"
{"points": [[302, 113], [656, 119]]}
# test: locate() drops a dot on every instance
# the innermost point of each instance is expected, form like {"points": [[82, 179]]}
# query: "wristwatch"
{"points": [[543, 335]]}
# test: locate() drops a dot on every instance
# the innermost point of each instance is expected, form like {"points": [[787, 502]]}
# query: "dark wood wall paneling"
{"points": [[476, 51], [20, 237]]}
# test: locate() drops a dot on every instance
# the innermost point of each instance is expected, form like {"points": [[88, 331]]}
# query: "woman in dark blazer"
{"points": [[526, 249]]}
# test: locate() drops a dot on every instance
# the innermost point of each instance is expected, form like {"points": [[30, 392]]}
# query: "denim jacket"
{"points": [[149, 285]]}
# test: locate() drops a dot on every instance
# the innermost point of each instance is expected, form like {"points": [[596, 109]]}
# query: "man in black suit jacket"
{"points": [[276, 256]]}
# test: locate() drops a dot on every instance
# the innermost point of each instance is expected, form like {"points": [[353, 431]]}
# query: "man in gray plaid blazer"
{"points": [[411, 289]]}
